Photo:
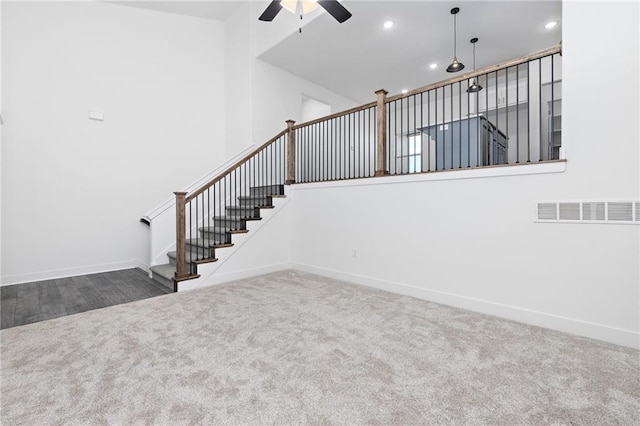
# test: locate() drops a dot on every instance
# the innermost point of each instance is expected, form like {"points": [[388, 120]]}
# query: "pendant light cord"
{"points": [[474, 56], [455, 31]]}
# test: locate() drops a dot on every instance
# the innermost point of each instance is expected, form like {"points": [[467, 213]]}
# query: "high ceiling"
{"points": [[209, 9], [358, 57]]}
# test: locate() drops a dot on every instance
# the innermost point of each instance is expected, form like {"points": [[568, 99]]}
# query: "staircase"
{"points": [[220, 235]]}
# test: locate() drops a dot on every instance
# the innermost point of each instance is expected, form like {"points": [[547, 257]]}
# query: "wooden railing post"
{"points": [[291, 153], [381, 126], [181, 236]]}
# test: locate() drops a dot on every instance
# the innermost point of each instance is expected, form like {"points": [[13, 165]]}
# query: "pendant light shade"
{"points": [[455, 65], [475, 87]]}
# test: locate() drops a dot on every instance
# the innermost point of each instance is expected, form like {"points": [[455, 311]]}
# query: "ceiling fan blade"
{"points": [[335, 9], [271, 11]]}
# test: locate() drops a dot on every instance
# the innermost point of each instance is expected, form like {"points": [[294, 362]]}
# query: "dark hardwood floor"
{"points": [[38, 301]]}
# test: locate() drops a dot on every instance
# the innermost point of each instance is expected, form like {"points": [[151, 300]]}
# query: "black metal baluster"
{"points": [[469, 124], [460, 123], [553, 99], [370, 159], [518, 114], [197, 224], [492, 158], [540, 105], [486, 155], [325, 155], [358, 144], [528, 113], [429, 128], [435, 125], [451, 121], [445, 128], [506, 91], [421, 127]]}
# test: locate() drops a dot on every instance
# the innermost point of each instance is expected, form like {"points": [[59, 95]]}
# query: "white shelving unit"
{"points": [[555, 128]]}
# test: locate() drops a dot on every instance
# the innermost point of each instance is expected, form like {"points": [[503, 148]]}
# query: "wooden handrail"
{"points": [[513, 62], [235, 166]]}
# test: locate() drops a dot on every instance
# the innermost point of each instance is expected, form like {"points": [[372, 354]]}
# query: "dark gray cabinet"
{"points": [[469, 142]]}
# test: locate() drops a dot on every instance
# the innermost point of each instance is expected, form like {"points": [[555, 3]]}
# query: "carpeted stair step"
{"points": [[192, 256], [230, 222], [220, 230], [263, 202], [203, 247], [267, 190], [218, 235], [164, 274], [243, 212]]}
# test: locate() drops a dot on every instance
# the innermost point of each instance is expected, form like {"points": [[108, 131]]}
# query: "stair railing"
{"points": [[512, 117], [206, 217], [504, 114]]}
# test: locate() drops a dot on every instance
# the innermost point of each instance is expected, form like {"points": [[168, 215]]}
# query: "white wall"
{"points": [[1, 144], [261, 97], [313, 108], [474, 243], [74, 189]]}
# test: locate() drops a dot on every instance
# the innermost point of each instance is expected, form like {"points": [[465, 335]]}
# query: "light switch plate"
{"points": [[94, 115]]}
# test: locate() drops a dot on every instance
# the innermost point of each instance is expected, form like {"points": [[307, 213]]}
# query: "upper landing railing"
{"points": [[514, 118]]}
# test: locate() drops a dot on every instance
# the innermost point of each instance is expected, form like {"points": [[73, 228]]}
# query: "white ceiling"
{"points": [[208, 9], [358, 57]]}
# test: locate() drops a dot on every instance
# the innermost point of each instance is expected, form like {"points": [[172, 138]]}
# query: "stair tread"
{"points": [[194, 256], [253, 197], [165, 270], [263, 199], [234, 218], [202, 242], [219, 230], [240, 207]]}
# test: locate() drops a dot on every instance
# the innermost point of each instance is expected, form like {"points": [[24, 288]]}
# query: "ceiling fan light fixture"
{"points": [[455, 65], [306, 6], [332, 7]]}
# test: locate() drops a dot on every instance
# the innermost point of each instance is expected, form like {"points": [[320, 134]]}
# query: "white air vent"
{"points": [[621, 211], [547, 211], [618, 212], [569, 211], [592, 211]]}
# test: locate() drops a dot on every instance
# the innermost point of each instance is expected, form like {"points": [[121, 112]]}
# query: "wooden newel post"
{"points": [[181, 236], [291, 153], [381, 125]]}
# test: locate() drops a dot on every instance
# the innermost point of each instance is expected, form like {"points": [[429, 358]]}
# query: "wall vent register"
{"points": [[626, 212]]}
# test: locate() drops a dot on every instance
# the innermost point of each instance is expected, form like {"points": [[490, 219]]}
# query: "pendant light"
{"points": [[475, 87], [455, 65]]}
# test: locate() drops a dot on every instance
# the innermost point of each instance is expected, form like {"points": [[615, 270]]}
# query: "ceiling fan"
{"points": [[333, 7]]}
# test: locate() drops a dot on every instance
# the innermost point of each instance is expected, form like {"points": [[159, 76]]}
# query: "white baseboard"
{"points": [[591, 330], [216, 279], [72, 272]]}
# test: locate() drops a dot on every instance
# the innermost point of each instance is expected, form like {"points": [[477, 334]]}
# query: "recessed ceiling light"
{"points": [[388, 24], [550, 25], [405, 91], [433, 66]]}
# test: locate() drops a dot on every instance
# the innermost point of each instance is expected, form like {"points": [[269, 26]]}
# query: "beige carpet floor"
{"points": [[294, 348]]}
